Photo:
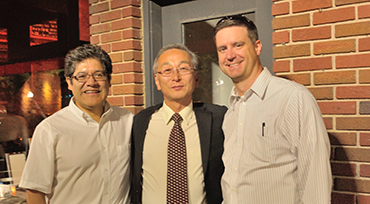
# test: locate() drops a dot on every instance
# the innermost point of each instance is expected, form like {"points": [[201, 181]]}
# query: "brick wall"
{"points": [[116, 25], [325, 45]]}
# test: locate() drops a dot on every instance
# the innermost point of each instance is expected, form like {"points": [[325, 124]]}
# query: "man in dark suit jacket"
{"points": [[175, 75]]}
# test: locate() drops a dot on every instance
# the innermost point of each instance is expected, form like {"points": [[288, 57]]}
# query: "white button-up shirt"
{"points": [[74, 159], [276, 146]]}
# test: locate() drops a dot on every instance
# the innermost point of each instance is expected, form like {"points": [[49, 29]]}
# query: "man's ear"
{"points": [[196, 79], [157, 82], [258, 47], [69, 82]]}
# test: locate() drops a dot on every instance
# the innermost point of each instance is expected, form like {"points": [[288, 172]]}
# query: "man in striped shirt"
{"points": [[276, 145]]}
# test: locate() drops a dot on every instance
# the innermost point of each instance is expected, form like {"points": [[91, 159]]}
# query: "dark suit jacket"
{"points": [[209, 119]]}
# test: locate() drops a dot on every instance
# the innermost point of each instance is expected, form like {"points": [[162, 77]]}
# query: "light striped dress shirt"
{"points": [[276, 146]]}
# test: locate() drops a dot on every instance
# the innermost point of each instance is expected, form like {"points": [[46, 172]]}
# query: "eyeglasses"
{"points": [[82, 77], [166, 72], [235, 17]]}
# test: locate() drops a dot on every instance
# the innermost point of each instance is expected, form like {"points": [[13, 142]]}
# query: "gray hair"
{"points": [[193, 56]]}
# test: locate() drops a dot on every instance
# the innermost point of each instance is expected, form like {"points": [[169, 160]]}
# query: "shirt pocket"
{"points": [[260, 143]]}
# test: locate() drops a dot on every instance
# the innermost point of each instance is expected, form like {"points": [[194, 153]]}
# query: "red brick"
{"points": [[122, 3], [364, 76], [126, 23], [116, 79], [364, 11], [328, 121], [93, 1], [353, 92], [127, 67], [281, 66], [352, 29], [352, 154], [364, 44], [351, 61], [112, 15], [304, 5], [335, 15], [112, 36], [315, 33], [365, 170], [343, 169], [342, 198], [100, 28], [97, 8], [303, 79], [115, 101], [365, 139], [291, 51], [94, 39], [280, 37], [134, 100], [106, 47], [133, 78], [280, 8], [131, 33], [363, 199], [352, 185], [93, 19], [291, 21], [308, 64], [322, 93], [345, 2], [364, 107], [337, 108], [342, 138], [133, 55], [128, 89], [131, 11], [337, 46], [126, 45], [335, 77], [353, 123], [116, 57]]}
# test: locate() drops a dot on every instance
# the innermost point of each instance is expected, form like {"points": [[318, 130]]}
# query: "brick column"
{"points": [[325, 45], [116, 25]]}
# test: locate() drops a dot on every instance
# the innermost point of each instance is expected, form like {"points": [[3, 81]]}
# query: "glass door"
{"points": [[192, 23]]}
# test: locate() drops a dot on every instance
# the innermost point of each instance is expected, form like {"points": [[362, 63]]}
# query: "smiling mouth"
{"points": [[234, 64], [91, 92]]}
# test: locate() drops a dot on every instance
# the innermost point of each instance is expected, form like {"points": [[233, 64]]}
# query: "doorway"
{"points": [[192, 23]]}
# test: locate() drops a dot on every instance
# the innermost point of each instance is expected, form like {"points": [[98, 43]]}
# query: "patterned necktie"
{"points": [[177, 176]]}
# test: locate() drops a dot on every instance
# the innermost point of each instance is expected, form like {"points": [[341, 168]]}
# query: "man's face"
{"points": [[176, 88], [89, 95], [237, 56]]}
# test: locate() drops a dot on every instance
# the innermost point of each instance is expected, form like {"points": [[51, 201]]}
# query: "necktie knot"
{"points": [[176, 117]]}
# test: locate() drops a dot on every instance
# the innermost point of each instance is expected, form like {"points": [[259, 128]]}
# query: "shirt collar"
{"points": [[86, 117], [185, 113], [258, 87]]}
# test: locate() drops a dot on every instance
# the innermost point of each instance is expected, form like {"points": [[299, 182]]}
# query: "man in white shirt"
{"points": [[276, 145], [81, 154], [176, 76]]}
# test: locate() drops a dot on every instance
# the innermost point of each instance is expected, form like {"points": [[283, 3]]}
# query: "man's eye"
{"points": [[167, 71], [222, 49], [98, 74], [184, 68], [81, 76]]}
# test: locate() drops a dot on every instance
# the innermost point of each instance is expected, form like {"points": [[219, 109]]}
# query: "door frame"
{"points": [[153, 29]]}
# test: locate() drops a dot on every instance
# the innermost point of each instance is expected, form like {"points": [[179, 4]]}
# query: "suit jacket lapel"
{"points": [[204, 121]]}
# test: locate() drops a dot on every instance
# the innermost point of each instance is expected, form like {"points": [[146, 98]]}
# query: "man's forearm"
{"points": [[35, 197]]}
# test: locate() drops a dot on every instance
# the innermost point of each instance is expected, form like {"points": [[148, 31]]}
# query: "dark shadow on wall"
{"points": [[343, 172]]}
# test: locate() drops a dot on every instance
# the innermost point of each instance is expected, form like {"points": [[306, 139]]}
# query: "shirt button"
{"points": [[235, 168], [233, 189], [241, 124]]}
